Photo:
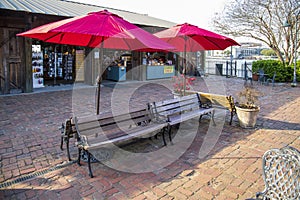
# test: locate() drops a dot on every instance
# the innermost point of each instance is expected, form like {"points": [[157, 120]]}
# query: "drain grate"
{"points": [[35, 174]]}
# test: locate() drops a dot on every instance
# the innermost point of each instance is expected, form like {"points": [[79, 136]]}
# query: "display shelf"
{"points": [[37, 67]]}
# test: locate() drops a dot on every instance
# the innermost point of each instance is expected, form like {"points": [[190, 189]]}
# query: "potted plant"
{"points": [[247, 108], [180, 84], [255, 76]]}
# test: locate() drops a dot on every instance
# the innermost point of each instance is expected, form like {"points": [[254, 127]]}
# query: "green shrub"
{"points": [[283, 73]]}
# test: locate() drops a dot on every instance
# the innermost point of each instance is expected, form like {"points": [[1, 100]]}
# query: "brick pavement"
{"points": [[29, 143]]}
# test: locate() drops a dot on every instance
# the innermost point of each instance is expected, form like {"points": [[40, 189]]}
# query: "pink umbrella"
{"points": [[189, 38], [98, 29]]}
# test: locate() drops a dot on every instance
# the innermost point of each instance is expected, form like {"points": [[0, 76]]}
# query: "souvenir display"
{"points": [[37, 66]]}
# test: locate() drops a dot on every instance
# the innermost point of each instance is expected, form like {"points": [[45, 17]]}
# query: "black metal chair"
{"points": [[262, 77], [271, 80]]}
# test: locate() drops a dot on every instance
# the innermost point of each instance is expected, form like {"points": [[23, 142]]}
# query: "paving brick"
{"points": [[228, 194], [178, 195], [185, 191], [231, 170], [150, 195], [203, 194], [140, 197], [192, 185], [158, 192], [111, 192]]}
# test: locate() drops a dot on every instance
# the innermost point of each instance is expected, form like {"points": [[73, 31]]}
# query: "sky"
{"points": [[199, 13]]}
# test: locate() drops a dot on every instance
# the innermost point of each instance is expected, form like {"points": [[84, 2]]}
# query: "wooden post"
{"points": [[28, 65]]}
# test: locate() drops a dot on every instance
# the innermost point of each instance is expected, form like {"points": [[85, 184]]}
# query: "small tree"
{"points": [[262, 20], [268, 52]]}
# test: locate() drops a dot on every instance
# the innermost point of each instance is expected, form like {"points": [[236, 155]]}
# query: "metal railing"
{"points": [[236, 68]]}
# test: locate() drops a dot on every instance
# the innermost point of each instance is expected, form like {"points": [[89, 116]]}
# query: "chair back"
{"points": [[261, 78], [281, 174]]}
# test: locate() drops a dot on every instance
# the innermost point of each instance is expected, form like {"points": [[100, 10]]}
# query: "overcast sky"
{"points": [[195, 12]]}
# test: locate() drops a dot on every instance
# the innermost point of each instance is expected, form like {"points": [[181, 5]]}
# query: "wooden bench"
{"points": [[281, 174], [100, 131], [217, 101], [177, 110]]}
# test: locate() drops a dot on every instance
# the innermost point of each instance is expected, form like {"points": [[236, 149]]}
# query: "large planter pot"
{"points": [[247, 116], [255, 77]]}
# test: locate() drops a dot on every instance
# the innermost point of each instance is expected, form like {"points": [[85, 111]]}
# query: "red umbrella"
{"points": [[98, 29], [189, 38]]}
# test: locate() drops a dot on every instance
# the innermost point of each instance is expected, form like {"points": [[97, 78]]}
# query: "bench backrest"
{"points": [[96, 125], [175, 106], [216, 100]]}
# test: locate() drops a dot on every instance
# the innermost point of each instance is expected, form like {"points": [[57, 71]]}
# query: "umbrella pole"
{"points": [[184, 68], [99, 79], [98, 93]]}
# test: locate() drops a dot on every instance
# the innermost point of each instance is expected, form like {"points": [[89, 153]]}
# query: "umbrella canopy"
{"points": [[98, 29], [189, 38]]}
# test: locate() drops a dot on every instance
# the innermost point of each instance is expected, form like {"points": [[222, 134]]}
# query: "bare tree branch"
{"points": [[262, 20]]}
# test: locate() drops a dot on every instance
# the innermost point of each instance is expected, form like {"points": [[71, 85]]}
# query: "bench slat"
{"points": [[93, 143], [190, 115], [179, 109], [217, 101]]}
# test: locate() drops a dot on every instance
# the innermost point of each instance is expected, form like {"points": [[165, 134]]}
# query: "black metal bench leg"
{"points": [[68, 149], [170, 132], [62, 136], [200, 118], [163, 136], [213, 117], [62, 143], [79, 156], [89, 164], [231, 117]]}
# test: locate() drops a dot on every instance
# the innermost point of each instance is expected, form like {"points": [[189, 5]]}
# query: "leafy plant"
{"points": [[248, 98], [283, 73]]}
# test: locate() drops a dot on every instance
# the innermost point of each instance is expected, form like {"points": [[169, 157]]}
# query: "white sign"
{"points": [[96, 54]]}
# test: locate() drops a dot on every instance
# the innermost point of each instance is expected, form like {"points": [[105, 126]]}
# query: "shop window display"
{"points": [[59, 64]]}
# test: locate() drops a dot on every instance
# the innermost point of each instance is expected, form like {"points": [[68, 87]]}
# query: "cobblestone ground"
{"points": [[225, 165]]}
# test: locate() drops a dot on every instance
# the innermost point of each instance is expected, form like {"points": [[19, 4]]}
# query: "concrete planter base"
{"points": [[247, 117]]}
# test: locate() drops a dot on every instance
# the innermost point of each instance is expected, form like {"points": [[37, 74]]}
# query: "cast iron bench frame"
{"points": [[281, 174], [99, 131], [177, 110]]}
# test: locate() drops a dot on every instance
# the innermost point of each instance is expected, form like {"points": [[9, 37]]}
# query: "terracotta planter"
{"points": [[247, 117], [255, 77]]}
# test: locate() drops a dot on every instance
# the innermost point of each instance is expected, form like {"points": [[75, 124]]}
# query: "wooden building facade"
{"points": [[17, 71]]}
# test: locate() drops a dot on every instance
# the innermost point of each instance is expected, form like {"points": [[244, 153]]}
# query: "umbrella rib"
{"points": [[93, 38], [127, 43], [214, 43], [52, 36]]}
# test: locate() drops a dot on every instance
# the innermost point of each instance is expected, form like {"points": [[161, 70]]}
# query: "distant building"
{"points": [[246, 50]]}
